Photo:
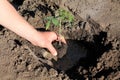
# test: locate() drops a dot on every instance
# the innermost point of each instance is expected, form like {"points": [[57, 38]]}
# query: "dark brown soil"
{"points": [[93, 44]]}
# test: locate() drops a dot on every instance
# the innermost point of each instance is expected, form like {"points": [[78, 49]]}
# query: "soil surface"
{"points": [[93, 43]]}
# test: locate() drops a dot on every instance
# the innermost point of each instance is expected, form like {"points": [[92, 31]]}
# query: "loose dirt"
{"points": [[93, 44]]}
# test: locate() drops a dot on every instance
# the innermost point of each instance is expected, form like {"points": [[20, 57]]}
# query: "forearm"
{"points": [[10, 18]]}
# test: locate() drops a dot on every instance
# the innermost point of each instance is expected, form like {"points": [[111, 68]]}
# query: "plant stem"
{"points": [[60, 30]]}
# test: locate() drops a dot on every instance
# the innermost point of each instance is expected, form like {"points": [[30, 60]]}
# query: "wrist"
{"points": [[35, 37]]}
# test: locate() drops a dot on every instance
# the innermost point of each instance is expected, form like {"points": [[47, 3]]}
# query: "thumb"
{"points": [[52, 50]]}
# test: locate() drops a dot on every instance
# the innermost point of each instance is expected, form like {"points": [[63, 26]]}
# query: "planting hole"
{"points": [[69, 55]]}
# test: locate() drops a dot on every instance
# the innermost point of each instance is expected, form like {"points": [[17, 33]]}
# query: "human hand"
{"points": [[45, 39], [20, 26]]}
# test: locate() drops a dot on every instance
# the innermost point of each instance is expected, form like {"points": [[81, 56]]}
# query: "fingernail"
{"points": [[55, 54]]}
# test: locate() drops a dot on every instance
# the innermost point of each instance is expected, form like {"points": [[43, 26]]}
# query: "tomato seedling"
{"points": [[61, 16]]}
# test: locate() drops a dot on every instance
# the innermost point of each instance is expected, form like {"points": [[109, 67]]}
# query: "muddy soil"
{"points": [[93, 44]]}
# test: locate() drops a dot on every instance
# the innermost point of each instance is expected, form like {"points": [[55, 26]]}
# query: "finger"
{"points": [[52, 50], [61, 38]]}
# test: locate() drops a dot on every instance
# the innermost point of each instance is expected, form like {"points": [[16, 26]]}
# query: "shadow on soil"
{"points": [[95, 50], [17, 3]]}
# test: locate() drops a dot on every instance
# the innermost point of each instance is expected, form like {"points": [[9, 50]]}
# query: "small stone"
{"points": [[53, 72], [47, 55], [98, 65], [102, 78], [84, 71], [29, 67]]}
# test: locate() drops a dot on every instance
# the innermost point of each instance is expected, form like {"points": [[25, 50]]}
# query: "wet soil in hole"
{"points": [[95, 50], [69, 55]]}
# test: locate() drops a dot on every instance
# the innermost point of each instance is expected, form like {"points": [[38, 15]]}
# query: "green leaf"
{"points": [[71, 18], [47, 25], [49, 18], [55, 21], [62, 17]]}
